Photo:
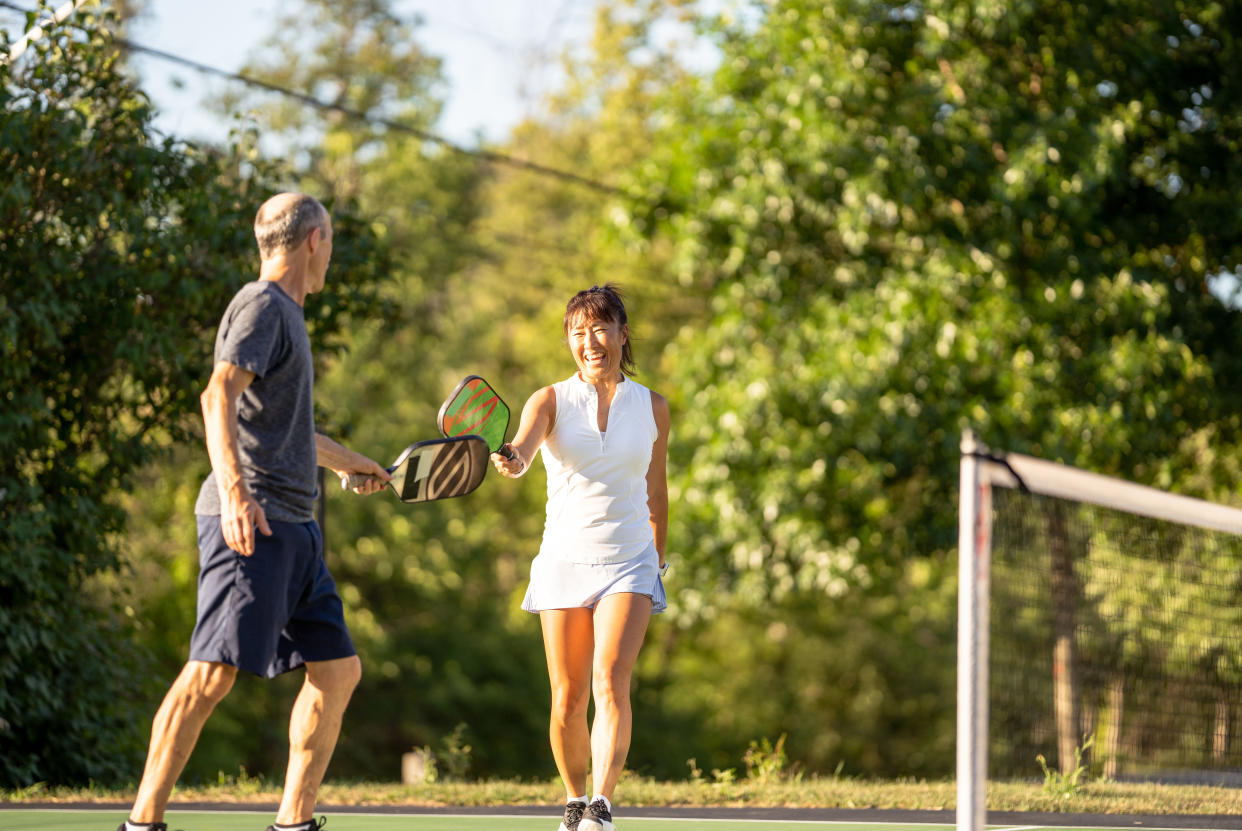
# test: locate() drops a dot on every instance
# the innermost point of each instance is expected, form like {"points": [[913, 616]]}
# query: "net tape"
{"points": [[1032, 475]]}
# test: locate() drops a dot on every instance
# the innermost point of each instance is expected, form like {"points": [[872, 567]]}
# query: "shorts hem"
{"points": [[558, 584]]}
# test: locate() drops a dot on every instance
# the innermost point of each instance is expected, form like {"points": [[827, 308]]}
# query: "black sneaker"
{"points": [[310, 825], [150, 826], [573, 816], [597, 817]]}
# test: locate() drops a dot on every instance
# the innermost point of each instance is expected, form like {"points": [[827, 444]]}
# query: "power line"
{"points": [[484, 155], [310, 100]]}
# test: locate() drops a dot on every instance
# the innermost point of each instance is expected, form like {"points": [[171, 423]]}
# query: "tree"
{"points": [[119, 251], [419, 598], [485, 258], [914, 218]]}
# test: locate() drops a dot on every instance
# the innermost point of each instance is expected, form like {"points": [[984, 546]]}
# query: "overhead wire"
{"points": [[504, 238], [491, 156]]}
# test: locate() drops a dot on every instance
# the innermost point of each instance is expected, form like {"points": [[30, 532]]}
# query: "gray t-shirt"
{"points": [[263, 331]]}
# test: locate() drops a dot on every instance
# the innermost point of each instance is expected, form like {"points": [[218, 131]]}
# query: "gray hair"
{"points": [[284, 222]]}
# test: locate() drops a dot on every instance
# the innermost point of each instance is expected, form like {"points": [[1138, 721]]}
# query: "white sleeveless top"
{"points": [[597, 481]]}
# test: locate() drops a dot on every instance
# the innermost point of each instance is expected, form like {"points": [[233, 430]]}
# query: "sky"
{"points": [[500, 56]]}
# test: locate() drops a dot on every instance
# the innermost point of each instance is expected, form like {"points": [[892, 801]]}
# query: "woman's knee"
{"points": [[611, 688], [569, 702]]}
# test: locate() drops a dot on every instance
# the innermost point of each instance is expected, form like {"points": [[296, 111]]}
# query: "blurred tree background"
{"points": [[117, 248], [866, 227]]}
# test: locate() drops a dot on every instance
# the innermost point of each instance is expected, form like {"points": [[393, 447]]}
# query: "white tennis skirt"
{"points": [[558, 584]]}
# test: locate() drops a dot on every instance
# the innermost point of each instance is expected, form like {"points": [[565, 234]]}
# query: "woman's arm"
{"points": [[538, 415], [657, 474]]}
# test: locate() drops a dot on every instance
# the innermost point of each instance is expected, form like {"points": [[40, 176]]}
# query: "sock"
{"points": [[581, 799], [297, 826], [130, 825], [605, 800]]}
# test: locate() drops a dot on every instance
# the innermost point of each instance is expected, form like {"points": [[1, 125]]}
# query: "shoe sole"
{"points": [[596, 825]]}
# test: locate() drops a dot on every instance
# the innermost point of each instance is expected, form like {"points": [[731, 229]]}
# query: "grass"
{"points": [[1095, 797]]}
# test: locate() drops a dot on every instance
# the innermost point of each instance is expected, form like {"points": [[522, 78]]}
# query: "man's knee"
{"points": [[338, 677], [206, 680]]}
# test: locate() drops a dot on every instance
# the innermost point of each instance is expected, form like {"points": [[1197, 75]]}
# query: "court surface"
{"points": [[535, 819]]}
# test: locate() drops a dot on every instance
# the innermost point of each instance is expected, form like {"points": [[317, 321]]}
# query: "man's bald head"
{"points": [[285, 221]]}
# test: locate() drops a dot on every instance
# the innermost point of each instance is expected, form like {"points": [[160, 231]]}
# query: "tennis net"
{"points": [[1100, 628]]}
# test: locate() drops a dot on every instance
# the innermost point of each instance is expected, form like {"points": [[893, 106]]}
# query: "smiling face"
{"points": [[597, 332], [597, 347]]}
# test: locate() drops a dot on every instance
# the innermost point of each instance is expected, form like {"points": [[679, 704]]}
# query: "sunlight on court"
{"points": [[59, 820], [106, 820]]}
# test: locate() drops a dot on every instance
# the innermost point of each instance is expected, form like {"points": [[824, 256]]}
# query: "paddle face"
{"points": [[434, 469], [474, 407], [439, 468]]}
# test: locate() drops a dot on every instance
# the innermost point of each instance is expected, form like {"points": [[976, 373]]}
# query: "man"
{"points": [[266, 602]]}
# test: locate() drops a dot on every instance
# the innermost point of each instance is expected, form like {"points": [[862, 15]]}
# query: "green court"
{"points": [[44, 819], [58, 820]]}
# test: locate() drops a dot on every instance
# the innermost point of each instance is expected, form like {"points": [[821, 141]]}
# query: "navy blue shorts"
{"points": [[270, 612]]}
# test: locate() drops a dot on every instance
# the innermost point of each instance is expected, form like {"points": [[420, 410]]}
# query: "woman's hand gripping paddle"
{"points": [[475, 408], [434, 469]]}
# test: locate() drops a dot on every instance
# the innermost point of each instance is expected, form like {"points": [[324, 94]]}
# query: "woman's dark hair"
{"points": [[601, 303]]}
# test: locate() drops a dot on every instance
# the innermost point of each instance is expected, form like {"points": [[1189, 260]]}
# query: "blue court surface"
{"points": [[527, 818]]}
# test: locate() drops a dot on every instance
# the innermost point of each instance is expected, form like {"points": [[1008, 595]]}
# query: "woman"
{"points": [[597, 578]]}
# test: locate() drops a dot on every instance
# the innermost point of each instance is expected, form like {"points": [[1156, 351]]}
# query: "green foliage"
{"points": [[868, 227], [1066, 785], [485, 260], [455, 755], [764, 761], [428, 591], [118, 251], [451, 763], [912, 219]]}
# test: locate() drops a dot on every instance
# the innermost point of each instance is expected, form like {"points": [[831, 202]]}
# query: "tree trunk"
{"points": [[1064, 653], [1112, 736], [1220, 733]]}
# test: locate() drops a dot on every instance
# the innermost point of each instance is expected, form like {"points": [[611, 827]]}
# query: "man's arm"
{"points": [[342, 461], [240, 512]]}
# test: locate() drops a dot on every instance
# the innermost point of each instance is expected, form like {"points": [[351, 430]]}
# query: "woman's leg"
{"points": [[567, 644], [620, 625]]}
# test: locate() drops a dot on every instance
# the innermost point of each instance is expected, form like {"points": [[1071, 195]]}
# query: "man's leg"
{"points": [[174, 732], [314, 727]]}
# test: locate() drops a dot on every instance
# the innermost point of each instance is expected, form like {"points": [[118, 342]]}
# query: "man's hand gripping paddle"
{"points": [[475, 408], [434, 469]]}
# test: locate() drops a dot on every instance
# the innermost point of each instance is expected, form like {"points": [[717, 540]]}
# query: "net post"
{"points": [[974, 566]]}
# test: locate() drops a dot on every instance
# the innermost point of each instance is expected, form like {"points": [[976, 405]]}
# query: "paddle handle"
{"points": [[356, 480]]}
